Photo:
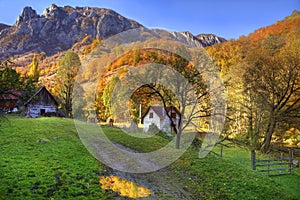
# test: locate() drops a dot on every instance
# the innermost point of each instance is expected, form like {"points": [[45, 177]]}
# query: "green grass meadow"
{"points": [[44, 158]]}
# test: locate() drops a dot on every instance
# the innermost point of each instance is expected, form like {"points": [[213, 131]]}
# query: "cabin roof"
{"points": [[38, 92], [160, 111], [11, 95]]}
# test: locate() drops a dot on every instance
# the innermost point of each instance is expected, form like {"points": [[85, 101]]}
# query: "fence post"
{"points": [[281, 159], [269, 164], [253, 159]]}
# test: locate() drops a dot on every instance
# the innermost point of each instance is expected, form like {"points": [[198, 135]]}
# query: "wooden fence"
{"points": [[279, 166]]}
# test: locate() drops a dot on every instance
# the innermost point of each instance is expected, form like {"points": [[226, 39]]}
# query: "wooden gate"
{"points": [[279, 166]]}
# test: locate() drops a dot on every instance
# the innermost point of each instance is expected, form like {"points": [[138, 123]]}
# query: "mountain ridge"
{"points": [[59, 28], [4, 26]]}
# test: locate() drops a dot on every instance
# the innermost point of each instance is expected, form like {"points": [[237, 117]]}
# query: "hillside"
{"points": [[280, 27], [58, 29], [53, 163]]}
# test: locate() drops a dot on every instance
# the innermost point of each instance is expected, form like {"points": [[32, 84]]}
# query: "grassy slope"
{"points": [[43, 158], [36, 166], [290, 183], [231, 177]]}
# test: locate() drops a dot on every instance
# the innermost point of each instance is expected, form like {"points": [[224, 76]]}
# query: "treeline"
{"points": [[262, 77]]}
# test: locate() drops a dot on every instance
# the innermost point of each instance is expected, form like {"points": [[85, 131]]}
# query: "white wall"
{"points": [[35, 110], [148, 121], [162, 124]]}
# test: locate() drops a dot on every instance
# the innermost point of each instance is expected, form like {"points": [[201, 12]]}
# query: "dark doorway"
{"points": [[42, 111]]}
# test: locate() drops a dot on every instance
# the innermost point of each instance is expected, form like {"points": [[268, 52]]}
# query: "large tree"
{"points": [[65, 79], [273, 79], [175, 83], [11, 79]]}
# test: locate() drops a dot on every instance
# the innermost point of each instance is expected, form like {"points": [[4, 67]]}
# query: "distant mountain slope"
{"points": [[201, 40], [232, 53], [210, 39], [280, 27]]}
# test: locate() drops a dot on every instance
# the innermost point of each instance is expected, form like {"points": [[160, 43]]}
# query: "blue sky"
{"points": [[226, 18]]}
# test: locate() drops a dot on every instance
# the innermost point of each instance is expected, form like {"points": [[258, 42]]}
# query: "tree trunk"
{"points": [[256, 130], [268, 136], [250, 130], [178, 135]]}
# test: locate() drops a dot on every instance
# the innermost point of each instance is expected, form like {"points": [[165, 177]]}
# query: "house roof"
{"points": [[11, 95], [37, 93], [160, 111]]}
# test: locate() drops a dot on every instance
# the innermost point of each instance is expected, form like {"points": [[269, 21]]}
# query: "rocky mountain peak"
{"points": [[208, 39], [58, 28], [201, 40], [26, 14], [54, 12], [295, 13], [53, 7], [188, 34], [3, 26]]}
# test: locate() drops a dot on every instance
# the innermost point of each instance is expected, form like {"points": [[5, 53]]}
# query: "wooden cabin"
{"points": [[41, 103], [9, 100]]}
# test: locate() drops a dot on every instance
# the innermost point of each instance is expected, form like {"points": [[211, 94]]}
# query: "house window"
{"points": [[151, 115]]}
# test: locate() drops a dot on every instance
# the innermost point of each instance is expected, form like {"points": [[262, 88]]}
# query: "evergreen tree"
{"points": [[34, 69], [9, 78]]}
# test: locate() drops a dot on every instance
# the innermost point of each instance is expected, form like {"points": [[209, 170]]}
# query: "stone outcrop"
{"points": [[3, 26], [27, 14], [58, 28], [210, 39]]}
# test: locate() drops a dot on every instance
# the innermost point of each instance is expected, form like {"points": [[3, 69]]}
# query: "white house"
{"points": [[157, 115], [41, 103]]}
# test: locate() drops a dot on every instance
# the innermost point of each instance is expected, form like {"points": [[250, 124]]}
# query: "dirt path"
{"points": [[163, 183]]}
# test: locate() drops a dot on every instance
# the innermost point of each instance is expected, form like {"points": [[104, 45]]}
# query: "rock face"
{"points": [[27, 14], [210, 39], [58, 28], [3, 26], [201, 40]]}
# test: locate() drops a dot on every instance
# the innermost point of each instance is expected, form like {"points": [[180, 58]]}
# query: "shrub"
{"points": [[165, 135], [153, 129]]}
